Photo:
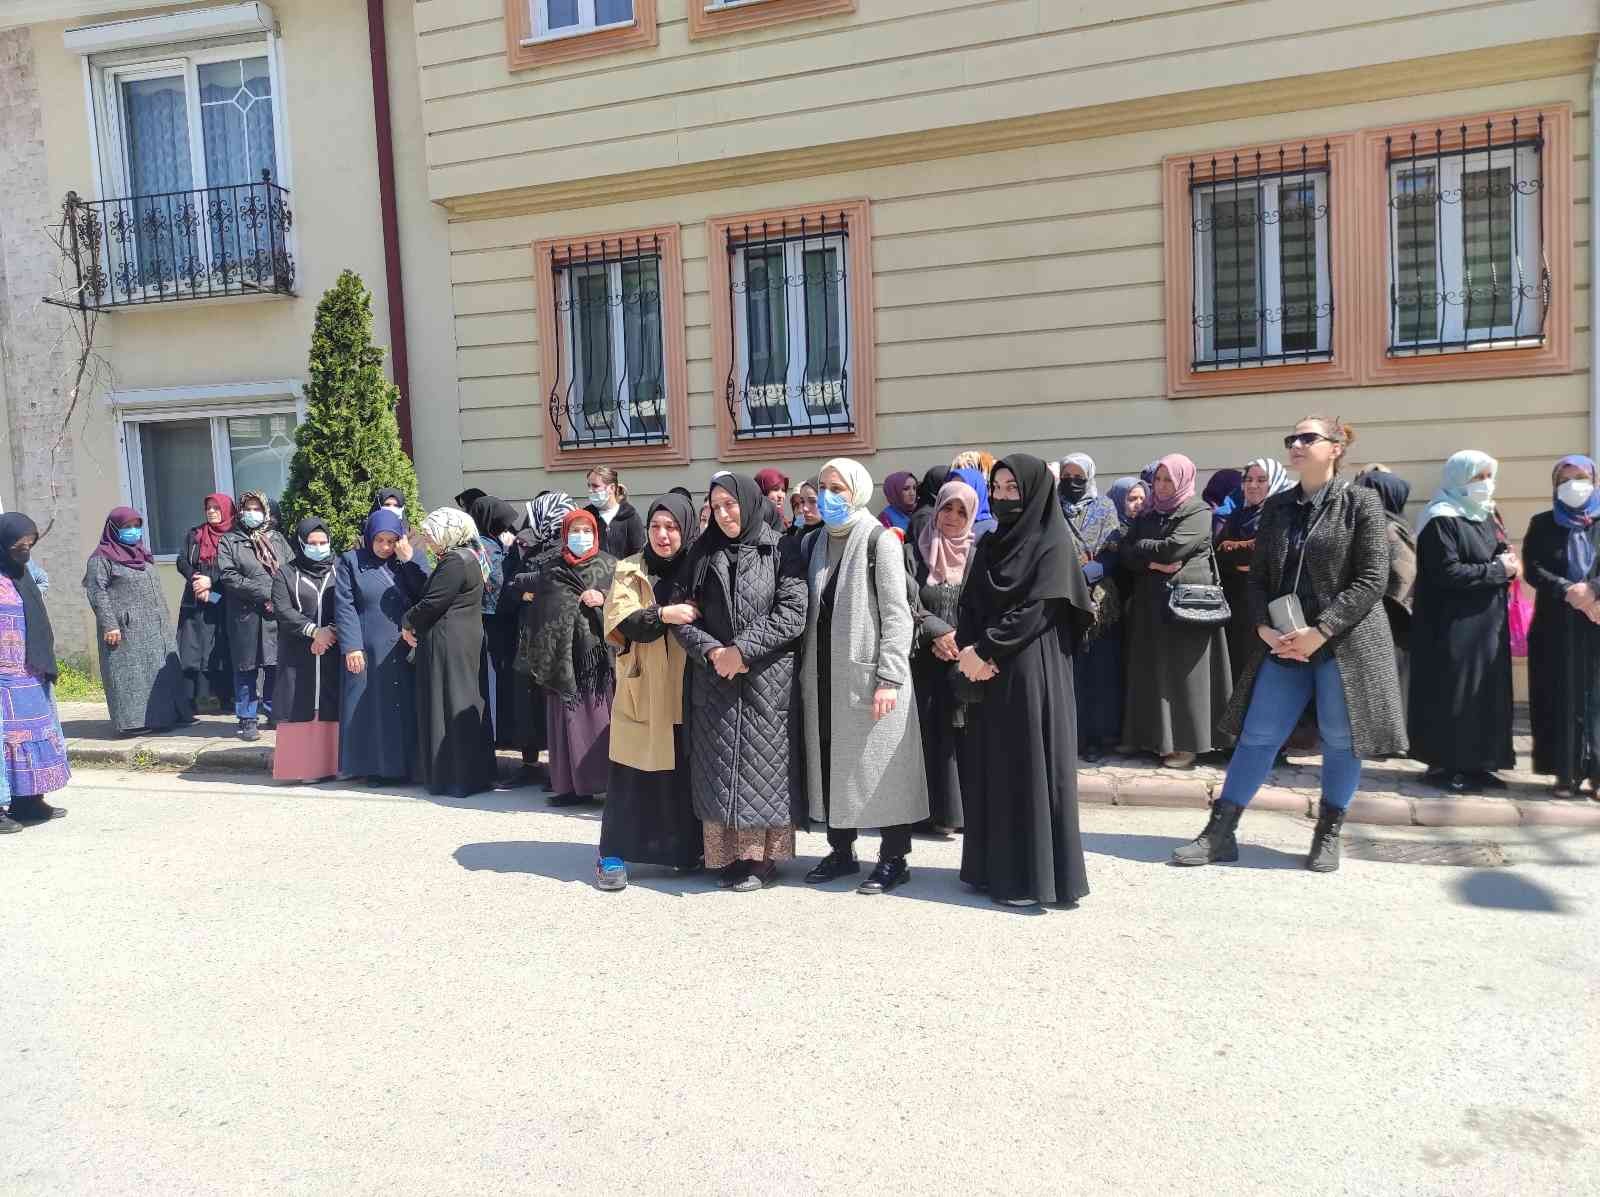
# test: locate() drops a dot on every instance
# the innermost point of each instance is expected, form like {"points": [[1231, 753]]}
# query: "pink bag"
{"points": [[1520, 611]]}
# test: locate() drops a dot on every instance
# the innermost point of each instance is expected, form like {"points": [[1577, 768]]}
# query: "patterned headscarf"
{"points": [[261, 538], [1277, 477], [546, 513], [451, 528]]}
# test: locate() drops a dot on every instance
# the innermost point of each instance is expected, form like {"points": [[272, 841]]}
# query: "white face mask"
{"points": [[580, 542], [600, 498], [1575, 492], [1481, 491]]}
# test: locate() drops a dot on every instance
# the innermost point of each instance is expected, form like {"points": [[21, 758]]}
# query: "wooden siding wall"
{"points": [[894, 67], [1020, 306]]}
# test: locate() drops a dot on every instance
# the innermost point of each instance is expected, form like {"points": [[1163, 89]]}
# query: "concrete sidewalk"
{"points": [[1392, 792]]}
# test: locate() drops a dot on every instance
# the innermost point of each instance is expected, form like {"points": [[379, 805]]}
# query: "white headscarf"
{"points": [[1085, 463], [1277, 477], [859, 480]]}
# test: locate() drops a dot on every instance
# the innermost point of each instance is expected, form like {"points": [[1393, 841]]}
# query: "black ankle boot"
{"points": [[32, 808], [1216, 843], [8, 824], [1324, 854]]}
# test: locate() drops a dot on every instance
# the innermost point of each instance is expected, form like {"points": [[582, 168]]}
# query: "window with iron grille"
{"points": [[789, 291], [1467, 262], [610, 387], [1262, 287]]}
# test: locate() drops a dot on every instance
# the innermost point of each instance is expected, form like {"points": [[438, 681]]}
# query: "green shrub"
{"points": [[78, 682]]}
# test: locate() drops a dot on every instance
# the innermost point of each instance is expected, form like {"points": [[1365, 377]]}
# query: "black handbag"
{"points": [[1204, 606]]}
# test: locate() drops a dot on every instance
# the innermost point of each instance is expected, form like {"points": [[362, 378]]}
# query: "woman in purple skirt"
{"points": [[35, 751]]}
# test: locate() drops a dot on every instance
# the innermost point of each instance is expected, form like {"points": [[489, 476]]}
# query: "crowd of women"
{"points": [[757, 657]]}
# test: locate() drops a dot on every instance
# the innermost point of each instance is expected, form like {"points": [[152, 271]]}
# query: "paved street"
{"points": [[225, 986]]}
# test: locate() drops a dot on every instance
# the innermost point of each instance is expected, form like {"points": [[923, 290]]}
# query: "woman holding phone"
{"points": [[1320, 569]]}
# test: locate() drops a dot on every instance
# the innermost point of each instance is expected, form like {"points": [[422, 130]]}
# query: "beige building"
{"points": [[667, 234]]}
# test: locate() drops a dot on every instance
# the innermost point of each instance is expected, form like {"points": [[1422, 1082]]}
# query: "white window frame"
{"points": [[833, 391], [103, 77], [1269, 274], [572, 383], [1450, 240], [174, 405], [725, 5], [539, 16]]}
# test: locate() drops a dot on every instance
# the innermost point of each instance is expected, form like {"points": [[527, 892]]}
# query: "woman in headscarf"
{"points": [[939, 563], [138, 649], [1321, 562], [928, 489], [1096, 526], [649, 817], [496, 522], [1460, 713], [1024, 604], [568, 657], [1128, 496], [774, 483], [1394, 492], [900, 501], [1262, 478], [807, 516], [309, 664], [1179, 678], [751, 595], [34, 749], [389, 497], [250, 555], [979, 482], [203, 651], [374, 585], [1560, 556], [468, 497], [1223, 495], [537, 548], [863, 745], [445, 626]]}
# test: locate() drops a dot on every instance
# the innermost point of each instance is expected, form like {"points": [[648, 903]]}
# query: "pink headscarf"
{"points": [[1181, 470], [947, 555]]}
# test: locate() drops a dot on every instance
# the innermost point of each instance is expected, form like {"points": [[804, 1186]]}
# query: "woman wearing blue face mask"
{"points": [[249, 556], [138, 647], [1460, 716], [307, 695]]}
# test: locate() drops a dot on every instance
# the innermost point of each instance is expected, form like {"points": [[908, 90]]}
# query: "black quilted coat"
{"points": [[1347, 561], [742, 766]]}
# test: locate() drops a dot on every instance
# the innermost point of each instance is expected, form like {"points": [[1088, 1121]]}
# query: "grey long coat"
{"points": [[1347, 559], [876, 772], [142, 675], [247, 593]]}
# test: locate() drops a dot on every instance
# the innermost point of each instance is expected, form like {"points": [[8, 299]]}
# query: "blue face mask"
{"points": [[832, 508], [580, 542], [252, 519], [130, 536], [316, 552]]}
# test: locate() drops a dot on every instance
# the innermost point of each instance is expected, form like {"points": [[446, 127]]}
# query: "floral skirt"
{"points": [[35, 748]]}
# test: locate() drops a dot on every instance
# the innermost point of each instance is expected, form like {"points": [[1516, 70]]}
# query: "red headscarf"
{"points": [[1181, 470], [134, 556], [580, 516], [210, 535]]}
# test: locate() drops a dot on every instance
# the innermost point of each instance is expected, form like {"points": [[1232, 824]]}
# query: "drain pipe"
{"points": [[1594, 262], [378, 47]]}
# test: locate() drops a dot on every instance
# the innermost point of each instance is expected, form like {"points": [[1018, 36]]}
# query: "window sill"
{"points": [[567, 35], [706, 20]]}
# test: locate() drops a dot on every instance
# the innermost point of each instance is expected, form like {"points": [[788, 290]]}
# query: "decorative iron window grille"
{"points": [[207, 243], [789, 287], [1467, 262], [610, 387], [1262, 289]]}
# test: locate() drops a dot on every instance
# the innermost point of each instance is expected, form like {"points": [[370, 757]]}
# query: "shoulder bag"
{"points": [[1200, 605]]}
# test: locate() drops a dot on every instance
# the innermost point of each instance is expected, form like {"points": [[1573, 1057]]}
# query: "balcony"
{"points": [[208, 243]]}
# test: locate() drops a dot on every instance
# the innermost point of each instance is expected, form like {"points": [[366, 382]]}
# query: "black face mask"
{"points": [[20, 553], [1073, 489], [1006, 511]]}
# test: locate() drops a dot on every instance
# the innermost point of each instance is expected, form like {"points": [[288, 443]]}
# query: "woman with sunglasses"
{"points": [[1317, 578]]}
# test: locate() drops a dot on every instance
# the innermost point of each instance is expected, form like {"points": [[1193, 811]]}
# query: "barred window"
{"points": [[789, 288], [1467, 262], [609, 367], [1262, 287]]}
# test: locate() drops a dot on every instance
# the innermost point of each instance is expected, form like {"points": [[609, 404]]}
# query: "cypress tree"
{"points": [[349, 446]]}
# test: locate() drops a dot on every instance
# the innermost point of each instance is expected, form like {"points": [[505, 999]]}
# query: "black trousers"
{"points": [[896, 840]]}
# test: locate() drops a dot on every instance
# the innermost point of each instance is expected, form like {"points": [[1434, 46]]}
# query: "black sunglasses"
{"points": [[1306, 439]]}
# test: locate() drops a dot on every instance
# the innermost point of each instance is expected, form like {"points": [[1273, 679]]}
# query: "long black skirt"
{"points": [[649, 817], [1097, 689], [943, 741], [1019, 782]]}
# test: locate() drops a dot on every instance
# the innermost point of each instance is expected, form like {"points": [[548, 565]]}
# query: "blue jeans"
{"points": [[1281, 692], [245, 704]]}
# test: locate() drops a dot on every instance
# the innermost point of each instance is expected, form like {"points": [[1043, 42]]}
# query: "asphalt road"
{"points": [[211, 986]]}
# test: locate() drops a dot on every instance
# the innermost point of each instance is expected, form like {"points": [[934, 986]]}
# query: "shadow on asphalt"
{"points": [[1157, 849], [1497, 889]]}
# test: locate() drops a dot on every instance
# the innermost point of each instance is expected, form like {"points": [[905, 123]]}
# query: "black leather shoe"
{"points": [[1091, 753], [834, 865], [890, 874], [569, 800], [1489, 781], [1458, 783], [8, 825], [34, 809]]}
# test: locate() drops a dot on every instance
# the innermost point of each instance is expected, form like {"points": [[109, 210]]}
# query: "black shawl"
{"points": [[672, 577], [493, 516], [1033, 559], [39, 648], [567, 653]]}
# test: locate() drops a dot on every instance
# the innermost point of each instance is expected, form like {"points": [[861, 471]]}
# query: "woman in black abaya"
{"points": [[1024, 604]]}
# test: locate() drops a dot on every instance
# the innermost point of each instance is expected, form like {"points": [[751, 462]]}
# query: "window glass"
{"points": [[176, 465], [259, 449], [611, 12]]}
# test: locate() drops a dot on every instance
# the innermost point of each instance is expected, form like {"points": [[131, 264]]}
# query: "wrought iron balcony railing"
{"points": [[211, 242]]}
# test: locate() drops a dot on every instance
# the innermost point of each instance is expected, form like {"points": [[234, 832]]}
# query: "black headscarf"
{"points": [[684, 491], [1392, 489], [1034, 558], [388, 492], [312, 569], [493, 516], [468, 497], [752, 523], [39, 648], [671, 574], [928, 488]]}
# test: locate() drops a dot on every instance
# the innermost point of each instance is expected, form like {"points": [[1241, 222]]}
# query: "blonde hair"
{"points": [[974, 459], [609, 477], [1337, 431]]}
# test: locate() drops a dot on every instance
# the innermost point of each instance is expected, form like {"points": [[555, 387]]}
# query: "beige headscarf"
{"points": [[450, 528], [859, 480]]}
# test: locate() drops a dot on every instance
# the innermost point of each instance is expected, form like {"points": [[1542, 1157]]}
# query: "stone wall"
{"points": [[37, 347]]}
